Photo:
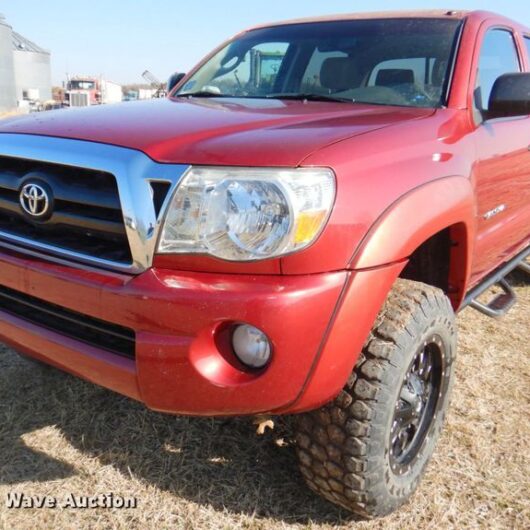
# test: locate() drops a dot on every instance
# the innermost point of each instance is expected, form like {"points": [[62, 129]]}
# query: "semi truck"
{"points": [[84, 91]]}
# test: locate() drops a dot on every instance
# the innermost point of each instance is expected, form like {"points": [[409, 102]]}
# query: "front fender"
{"points": [[447, 202], [414, 218], [377, 263]]}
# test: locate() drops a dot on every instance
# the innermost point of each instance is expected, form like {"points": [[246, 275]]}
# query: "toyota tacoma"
{"points": [[290, 232]]}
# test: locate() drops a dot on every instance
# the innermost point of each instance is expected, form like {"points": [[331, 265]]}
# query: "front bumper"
{"points": [[179, 366]]}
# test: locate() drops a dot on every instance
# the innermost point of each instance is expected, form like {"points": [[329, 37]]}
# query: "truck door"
{"points": [[502, 168]]}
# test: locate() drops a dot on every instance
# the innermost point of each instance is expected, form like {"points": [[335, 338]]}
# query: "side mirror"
{"points": [[510, 96], [173, 81]]}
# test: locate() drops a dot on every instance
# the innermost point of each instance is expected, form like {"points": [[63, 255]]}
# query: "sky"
{"points": [[120, 39]]}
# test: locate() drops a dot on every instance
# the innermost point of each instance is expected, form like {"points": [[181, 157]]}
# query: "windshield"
{"points": [[382, 61], [82, 85]]}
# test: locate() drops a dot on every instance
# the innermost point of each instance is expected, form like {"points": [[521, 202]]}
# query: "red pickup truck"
{"points": [[291, 231]]}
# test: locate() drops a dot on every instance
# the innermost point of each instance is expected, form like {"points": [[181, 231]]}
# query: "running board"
{"points": [[503, 302], [500, 305], [524, 266]]}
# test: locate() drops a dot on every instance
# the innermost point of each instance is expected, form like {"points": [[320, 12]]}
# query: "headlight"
{"points": [[244, 214]]}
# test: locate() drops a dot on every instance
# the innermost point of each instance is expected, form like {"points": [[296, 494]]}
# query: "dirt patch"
{"points": [[59, 435]]}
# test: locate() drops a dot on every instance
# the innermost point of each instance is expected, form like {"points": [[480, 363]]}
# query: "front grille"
{"points": [[79, 99], [92, 331], [87, 216]]}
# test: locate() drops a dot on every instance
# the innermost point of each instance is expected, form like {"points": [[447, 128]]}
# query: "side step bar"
{"points": [[524, 266], [502, 303]]}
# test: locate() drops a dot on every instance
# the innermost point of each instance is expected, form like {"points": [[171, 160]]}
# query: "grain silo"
{"points": [[8, 99], [32, 69]]}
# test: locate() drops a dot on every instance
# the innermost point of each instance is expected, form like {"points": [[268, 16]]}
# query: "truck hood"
{"points": [[239, 132]]}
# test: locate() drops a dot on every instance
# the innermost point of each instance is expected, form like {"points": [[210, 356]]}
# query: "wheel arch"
{"points": [[439, 215], [442, 261]]}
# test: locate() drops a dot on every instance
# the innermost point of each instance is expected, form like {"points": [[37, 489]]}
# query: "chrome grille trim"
{"points": [[79, 99], [134, 172]]}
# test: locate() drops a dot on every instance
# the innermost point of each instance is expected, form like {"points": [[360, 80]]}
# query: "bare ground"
{"points": [[59, 435]]}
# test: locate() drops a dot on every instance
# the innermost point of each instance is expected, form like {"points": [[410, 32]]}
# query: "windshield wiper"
{"points": [[202, 94], [310, 97], [300, 97]]}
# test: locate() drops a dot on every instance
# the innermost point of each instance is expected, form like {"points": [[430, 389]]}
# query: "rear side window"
{"points": [[498, 56], [527, 42]]}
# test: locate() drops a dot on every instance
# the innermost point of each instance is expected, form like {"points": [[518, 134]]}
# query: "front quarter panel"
{"points": [[396, 189], [414, 218], [374, 171], [402, 228]]}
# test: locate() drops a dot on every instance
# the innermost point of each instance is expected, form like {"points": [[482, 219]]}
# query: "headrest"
{"points": [[438, 72], [339, 73], [394, 76]]}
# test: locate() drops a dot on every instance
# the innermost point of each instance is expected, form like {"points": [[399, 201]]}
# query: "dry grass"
{"points": [[60, 435]]}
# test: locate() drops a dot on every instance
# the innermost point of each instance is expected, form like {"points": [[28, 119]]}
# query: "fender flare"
{"points": [[447, 202], [415, 217]]}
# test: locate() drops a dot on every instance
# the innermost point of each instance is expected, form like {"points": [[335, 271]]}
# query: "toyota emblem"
{"points": [[35, 200]]}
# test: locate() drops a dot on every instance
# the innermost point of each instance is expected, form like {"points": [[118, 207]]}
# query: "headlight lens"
{"points": [[244, 214]]}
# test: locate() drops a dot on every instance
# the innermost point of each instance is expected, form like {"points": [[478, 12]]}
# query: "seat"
{"points": [[390, 77], [339, 74]]}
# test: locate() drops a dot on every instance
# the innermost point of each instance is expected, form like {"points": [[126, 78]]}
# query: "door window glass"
{"points": [[497, 57]]}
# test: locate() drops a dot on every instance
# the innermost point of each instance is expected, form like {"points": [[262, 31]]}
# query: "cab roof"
{"points": [[427, 13]]}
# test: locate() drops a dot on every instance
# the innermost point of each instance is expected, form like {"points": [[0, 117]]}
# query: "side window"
{"points": [[527, 42], [498, 56]]}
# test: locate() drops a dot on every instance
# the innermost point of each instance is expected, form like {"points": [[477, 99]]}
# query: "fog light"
{"points": [[251, 346]]}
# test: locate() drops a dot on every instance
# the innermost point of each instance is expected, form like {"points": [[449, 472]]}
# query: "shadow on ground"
{"points": [[221, 463]]}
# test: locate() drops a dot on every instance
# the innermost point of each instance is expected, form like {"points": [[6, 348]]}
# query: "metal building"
{"points": [[25, 70], [32, 69], [8, 98]]}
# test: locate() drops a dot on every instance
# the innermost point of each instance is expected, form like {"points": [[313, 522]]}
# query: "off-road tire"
{"points": [[344, 448]]}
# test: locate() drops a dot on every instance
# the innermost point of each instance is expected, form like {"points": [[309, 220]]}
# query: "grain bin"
{"points": [[32, 69], [8, 99]]}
